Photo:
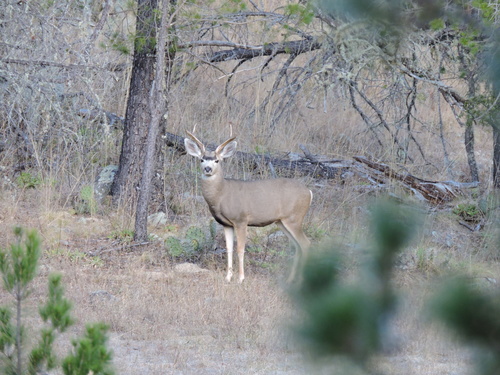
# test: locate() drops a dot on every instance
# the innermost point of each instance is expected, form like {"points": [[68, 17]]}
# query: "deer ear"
{"points": [[192, 148], [228, 150]]}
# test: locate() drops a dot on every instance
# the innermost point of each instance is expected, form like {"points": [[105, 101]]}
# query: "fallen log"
{"points": [[436, 192], [320, 167], [291, 167]]}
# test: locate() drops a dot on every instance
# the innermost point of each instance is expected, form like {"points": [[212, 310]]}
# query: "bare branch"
{"points": [[295, 47], [107, 67], [216, 43], [98, 28]]}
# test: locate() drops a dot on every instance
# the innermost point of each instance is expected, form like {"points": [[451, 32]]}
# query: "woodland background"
{"points": [[411, 87]]}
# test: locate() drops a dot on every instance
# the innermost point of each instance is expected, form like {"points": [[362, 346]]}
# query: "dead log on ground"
{"points": [[291, 167], [320, 167], [432, 191]]}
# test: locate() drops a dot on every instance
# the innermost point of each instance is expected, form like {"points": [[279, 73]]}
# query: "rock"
{"points": [[104, 180], [157, 219]]}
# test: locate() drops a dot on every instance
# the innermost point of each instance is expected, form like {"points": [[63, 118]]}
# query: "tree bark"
{"points": [[469, 149], [496, 157], [138, 116], [157, 106]]}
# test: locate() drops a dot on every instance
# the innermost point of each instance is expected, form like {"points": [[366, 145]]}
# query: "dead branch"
{"points": [[295, 47], [472, 228], [45, 63]]}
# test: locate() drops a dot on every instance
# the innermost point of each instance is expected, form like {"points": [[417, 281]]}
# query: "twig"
{"points": [[470, 227]]}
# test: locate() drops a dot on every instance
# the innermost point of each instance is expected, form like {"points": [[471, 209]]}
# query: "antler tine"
{"points": [[198, 142]]}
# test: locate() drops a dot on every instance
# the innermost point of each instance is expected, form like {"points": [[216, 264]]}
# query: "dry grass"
{"points": [[168, 322]]}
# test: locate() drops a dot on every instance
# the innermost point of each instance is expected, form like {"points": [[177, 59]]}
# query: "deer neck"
{"points": [[212, 188]]}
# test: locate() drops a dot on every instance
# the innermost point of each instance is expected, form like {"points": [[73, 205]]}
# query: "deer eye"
{"points": [[202, 160], [216, 160]]}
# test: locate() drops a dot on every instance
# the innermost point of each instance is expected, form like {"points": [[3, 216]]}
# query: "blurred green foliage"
{"points": [[352, 319]]}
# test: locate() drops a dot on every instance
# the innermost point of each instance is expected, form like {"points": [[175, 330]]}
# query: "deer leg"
{"points": [[299, 241], [241, 237], [229, 234]]}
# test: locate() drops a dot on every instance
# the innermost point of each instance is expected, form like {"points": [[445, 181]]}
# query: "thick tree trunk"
{"points": [[138, 115], [157, 107]]}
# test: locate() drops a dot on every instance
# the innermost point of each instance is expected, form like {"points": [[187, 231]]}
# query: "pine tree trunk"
{"points": [[138, 116], [469, 149], [157, 108], [496, 157]]}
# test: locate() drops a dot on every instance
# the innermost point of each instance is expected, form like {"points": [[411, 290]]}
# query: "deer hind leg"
{"points": [[229, 234], [293, 230], [241, 237]]}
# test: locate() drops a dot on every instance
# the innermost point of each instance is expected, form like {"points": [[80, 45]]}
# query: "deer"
{"points": [[239, 204]]}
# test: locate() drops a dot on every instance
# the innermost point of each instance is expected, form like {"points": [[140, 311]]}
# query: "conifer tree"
{"points": [[18, 268]]}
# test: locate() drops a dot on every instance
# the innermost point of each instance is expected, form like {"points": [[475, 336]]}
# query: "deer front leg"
{"points": [[241, 237], [229, 234]]}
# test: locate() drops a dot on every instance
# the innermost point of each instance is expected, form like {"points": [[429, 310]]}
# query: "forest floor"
{"points": [[179, 318]]}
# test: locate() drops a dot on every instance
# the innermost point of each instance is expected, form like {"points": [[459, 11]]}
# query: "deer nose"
{"points": [[208, 170]]}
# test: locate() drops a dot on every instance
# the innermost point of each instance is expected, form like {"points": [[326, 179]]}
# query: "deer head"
{"points": [[210, 160]]}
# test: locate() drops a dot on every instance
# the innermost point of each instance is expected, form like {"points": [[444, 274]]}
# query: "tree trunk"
{"points": [[157, 106], [496, 157], [138, 115], [469, 149]]}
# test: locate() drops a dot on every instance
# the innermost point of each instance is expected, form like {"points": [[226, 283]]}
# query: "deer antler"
{"points": [[231, 138]]}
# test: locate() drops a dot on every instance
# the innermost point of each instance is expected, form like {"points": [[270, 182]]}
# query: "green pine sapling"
{"points": [[18, 267]]}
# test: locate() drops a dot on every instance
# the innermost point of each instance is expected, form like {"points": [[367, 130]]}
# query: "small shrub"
{"points": [[28, 181], [87, 204], [469, 212], [125, 235], [424, 260], [194, 243], [197, 238], [315, 233], [90, 355]]}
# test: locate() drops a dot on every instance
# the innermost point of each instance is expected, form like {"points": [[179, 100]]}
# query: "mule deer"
{"points": [[237, 204]]}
